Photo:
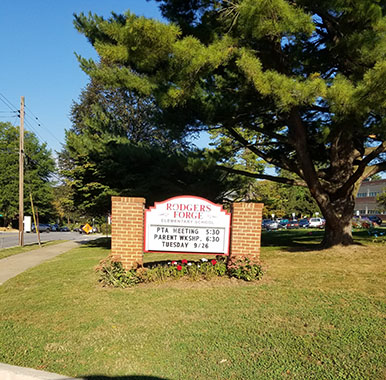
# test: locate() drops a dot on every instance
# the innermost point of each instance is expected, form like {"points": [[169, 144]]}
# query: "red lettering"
{"points": [[188, 210], [187, 214]]}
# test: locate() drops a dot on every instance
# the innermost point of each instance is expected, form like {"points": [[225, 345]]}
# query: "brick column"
{"points": [[127, 231], [246, 230]]}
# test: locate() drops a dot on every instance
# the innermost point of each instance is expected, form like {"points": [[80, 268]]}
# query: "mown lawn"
{"points": [[315, 315], [6, 252]]}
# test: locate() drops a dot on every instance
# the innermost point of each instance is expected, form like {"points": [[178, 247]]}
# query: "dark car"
{"points": [[64, 229], [283, 223], [375, 219], [54, 227], [304, 223], [292, 224], [42, 227], [269, 225]]}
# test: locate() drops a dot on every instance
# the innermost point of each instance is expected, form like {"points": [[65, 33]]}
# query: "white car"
{"points": [[316, 223]]}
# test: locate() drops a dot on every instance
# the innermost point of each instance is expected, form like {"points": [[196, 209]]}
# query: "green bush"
{"points": [[113, 274], [105, 229], [245, 269]]}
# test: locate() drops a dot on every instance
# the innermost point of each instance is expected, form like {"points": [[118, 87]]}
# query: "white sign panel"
{"points": [[187, 224]]}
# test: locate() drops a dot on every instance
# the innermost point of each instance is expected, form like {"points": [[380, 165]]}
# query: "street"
{"points": [[11, 239]]}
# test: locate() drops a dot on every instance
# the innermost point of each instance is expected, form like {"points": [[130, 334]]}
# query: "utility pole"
{"points": [[21, 174]]}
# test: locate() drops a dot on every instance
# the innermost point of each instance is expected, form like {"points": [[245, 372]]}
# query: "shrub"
{"points": [[113, 273], [245, 269]]}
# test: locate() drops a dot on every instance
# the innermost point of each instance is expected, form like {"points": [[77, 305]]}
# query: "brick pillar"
{"points": [[127, 231], [246, 230]]}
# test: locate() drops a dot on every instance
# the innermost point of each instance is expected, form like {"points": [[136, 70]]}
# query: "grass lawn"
{"points": [[315, 315], [5, 252]]}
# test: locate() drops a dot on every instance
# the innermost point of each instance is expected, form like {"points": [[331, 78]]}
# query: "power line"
{"points": [[16, 113], [8, 103], [38, 164], [28, 114], [40, 124], [36, 132]]}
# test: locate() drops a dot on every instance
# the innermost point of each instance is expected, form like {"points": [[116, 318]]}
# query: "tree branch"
{"points": [[309, 174], [287, 181], [283, 164], [361, 169]]}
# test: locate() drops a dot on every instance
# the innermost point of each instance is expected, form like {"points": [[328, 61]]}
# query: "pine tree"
{"points": [[301, 84]]}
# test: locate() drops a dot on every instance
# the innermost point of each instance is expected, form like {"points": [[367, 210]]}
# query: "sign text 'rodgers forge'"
{"points": [[187, 224]]}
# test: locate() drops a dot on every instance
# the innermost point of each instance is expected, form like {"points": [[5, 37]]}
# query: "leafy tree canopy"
{"points": [[300, 84], [39, 166], [381, 200]]}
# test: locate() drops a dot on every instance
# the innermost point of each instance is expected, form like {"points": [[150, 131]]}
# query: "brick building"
{"points": [[366, 200]]}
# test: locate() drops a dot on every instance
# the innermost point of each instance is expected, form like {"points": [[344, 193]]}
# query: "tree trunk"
{"points": [[338, 216], [338, 232]]}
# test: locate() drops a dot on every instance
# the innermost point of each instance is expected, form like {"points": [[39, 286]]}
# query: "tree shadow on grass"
{"points": [[131, 377], [299, 240], [103, 242], [292, 240]]}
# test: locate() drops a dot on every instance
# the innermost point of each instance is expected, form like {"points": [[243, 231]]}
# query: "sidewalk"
{"points": [[10, 372], [13, 265]]}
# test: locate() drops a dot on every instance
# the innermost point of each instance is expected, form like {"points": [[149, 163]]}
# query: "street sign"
{"points": [[87, 228]]}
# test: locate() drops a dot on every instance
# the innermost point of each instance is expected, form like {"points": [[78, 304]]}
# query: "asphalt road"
{"points": [[11, 239]]}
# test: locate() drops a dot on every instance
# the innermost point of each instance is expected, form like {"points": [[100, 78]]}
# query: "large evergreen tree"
{"points": [[301, 84], [117, 145]]}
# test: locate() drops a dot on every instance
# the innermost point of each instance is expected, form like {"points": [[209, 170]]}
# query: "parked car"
{"points": [[317, 223], [283, 223], [54, 227], [65, 229], [375, 219], [292, 224], [42, 227], [270, 225], [304, 223]]}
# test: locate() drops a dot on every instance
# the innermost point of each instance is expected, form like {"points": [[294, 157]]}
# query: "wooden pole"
{"points": [[36, 225], [21, 174]]}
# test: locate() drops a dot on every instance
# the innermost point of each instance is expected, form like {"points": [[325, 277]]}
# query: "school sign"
{"points": [[185, 224]]}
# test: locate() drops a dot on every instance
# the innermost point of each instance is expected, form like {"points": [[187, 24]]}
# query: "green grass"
{"points": [[315, 315], [310, 238], [28, 247]]}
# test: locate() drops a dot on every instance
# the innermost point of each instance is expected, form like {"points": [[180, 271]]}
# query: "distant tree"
{"points": [[39, 166], [381, 200], [279, 199], [64, 204], [300, 84], [375, 177]]}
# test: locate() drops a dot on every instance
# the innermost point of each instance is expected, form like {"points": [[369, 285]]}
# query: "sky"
{"points": [[38, 44]]}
